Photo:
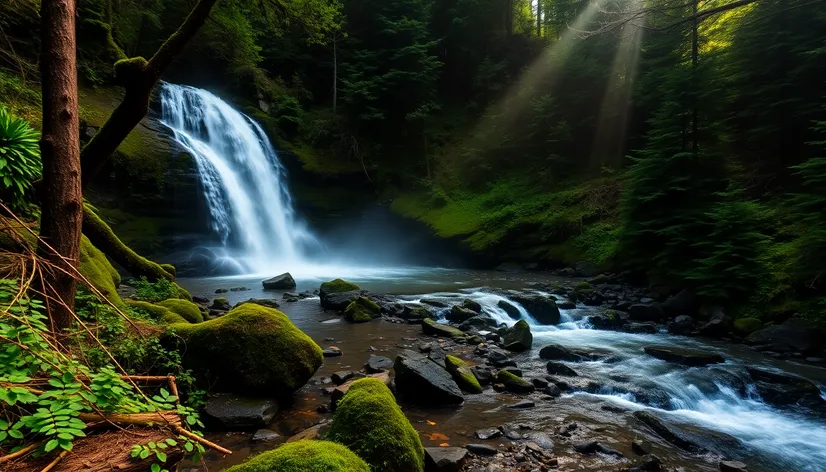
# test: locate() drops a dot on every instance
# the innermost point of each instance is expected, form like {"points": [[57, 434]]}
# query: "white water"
{"points": [[243, 181], [773, 439]]}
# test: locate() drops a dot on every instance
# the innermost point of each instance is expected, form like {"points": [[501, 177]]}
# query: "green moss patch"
{"points": [[304, 456], [362, 310], [158, 313], [370, 423], [99, 272], [338, 286], [250, 350], [462, 375], [513, 383], [185, 308]]}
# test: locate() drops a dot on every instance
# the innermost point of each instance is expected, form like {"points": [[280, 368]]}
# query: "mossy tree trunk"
{"points": [[138, 76], [61, 218]]}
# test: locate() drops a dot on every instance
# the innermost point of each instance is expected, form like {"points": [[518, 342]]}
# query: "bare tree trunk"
{"points": [[335, 75], [62, 198]]}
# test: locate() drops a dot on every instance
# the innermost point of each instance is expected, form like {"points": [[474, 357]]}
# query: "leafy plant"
{"points": [[19, 160], [157, 291]]}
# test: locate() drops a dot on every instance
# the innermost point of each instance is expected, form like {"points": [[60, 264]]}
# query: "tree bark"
{"points": [[138, 77], [62, 198]]}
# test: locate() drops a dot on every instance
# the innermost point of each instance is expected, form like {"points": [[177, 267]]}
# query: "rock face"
{"points": [[284, 281], [422, 381], [233, 412], [685, 357], [444, 459], [251, 350], [301, 456], [337, 287], [508, 308], [518, 337], [785, 389], [370, 423], [542, 309], [793, 335], [431, 327]]}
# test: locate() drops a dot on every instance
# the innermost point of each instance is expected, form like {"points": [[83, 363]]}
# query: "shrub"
{"points": [[19, 160]]}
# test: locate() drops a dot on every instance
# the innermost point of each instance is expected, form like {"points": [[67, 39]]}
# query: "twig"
{"points": [[20, 453], [201, 440], [54, 462]]}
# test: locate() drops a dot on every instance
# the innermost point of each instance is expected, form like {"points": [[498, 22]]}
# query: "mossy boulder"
{"points": [[462, 374], [413, 313], [583, 286], [185, 308], [250, 350], [518, 337], [157, 313], [513, 383], [95, 267], [746, 326], [336, 286], [362, 310], [304, 456], [472, 305], [370, 423]]}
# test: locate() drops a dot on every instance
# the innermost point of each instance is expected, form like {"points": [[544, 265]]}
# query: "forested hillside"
{"points": [[679, 140]]}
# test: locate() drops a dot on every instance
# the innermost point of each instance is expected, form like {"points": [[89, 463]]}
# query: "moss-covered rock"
{"points": [[157, 313], [250, 350], [185, 308], [430, 326], [330, 301], [518, 337], [362, 310], [462, 374], [337, 286], [370, 423], [513, 383], [583, 286], [746, 326], [99, 272], [304, 456]]}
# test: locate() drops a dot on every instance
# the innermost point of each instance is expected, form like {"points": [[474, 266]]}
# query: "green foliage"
{"points": [[362, 310], [19, 160], [304, 456], [370, 423], [807, 207], [161, 289]]}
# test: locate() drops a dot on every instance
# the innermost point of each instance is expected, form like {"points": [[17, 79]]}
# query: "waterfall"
{"points": [[244, 182]]}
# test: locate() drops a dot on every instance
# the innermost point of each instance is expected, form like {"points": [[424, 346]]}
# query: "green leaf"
{"points": [[155, 468], [161, 456], [51, 445], [144, 454]]}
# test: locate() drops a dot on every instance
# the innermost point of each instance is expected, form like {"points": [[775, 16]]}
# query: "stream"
{"points": [[715, 400]]}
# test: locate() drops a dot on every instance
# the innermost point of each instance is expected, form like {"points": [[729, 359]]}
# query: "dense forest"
{"points": [[681, 144]]}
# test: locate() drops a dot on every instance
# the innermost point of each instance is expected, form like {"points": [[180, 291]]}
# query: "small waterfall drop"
{"points": [[243, 180]]}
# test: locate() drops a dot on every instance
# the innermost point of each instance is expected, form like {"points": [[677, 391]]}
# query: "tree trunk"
{"points": [[538, 18], [62, 198]]}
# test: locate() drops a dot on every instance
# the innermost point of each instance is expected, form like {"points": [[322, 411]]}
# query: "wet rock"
{"points": [[220, 304], [522, 404], [433, 303], [794, 334], [478, 323], [462, 374], [682, 324], [339, 392], [508, 308], [284, 281], [339, 301], [513, 370], [566, 305], [437, 355], [510, 433], [641, 447], [482, 449], [585, 269], [376, 364], [555, 352], [541, 439], [643, 328], [552, 390], [542, 309], [684, 356], [332, 351], [609, 319], [732, 466], [234, 412], [439, 329], [341, 376], [684, 303], [593, 447], [650, 463], [422, 381], [311, 433], [482, 374], [414, 312], [424, 348], [472, 305], [499, 358], [566, 429], [557, 368], [487, 434], [540, 384], [512, 383], [719, 324], [646, 312], [518, 337], [267, 302], [265, 435], [687, 437], [493, 337], [779, 388], [444, 459], [458, 314], [221, 290]]}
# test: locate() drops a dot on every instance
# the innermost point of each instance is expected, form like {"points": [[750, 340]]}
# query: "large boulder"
{"points": [[478, 323], [472, 305], [284, 281], [687, 357], [337, 286], [646, 312], [340, 301], [302, 456], [430, 326], [518, 337], [422, 381], [795, 334], [779, 388], [510, 309], [542, 309], [370, 423], [251, 350], [458, 314], [362, 310], [689, 437], [233, 412], [555, 352], [415, 313], [462, 374]]}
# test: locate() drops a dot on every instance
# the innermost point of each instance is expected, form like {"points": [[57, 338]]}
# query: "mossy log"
{"points": [[103, 238]]}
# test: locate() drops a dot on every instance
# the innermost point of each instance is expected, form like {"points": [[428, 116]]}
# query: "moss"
{"points": [[220, 301], [99, 272], [514, 383], [338, 286], [170, 269], [158, 313], [371, 424], [746, 326], [429, 326], [129, 71], [185, 308], [518, 337], [251, 350], [304, 456], [583, 286], [462, 374], [183, 293], [362, 310]]}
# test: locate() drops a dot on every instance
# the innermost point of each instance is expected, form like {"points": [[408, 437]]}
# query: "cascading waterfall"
{"points": [[243, 180]]}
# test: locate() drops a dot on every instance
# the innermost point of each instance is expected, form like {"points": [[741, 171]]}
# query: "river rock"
{"points": [[646, 312], [482, 449], [593, 447], [719, 324], [682, 324], [433, 303], [609, 319], [444, 459], [643, 328], [558, 368], [688, 437], [422, 381], [795, 334], [684, 303], [234, 412], [267, 302], [555, 352], [542, 439], [339, 301], [514, 383], [458, 314], [284, 281], [265, 435], [472, 305], [430, 326], [478, 323], [376, 364], [733, 466], [332, 351], [746, 326], [220, 304], [339, 392], [500, 358], [341, 376], [486, 434], [509, 309], [566, 305], [542, 309], [414, 313], [522, 404], [483, 374], [518, 337], [682, 356], [641, 447], [779, 388], [585, 269]]}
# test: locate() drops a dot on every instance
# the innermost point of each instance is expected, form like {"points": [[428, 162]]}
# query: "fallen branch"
{"points": [[169, 418], [53, 463], [20, 453], [201, 440]]}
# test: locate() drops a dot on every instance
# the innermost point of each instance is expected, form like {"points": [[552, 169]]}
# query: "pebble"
{"points": [[263, 435], [485, 434], [332, 351]]}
